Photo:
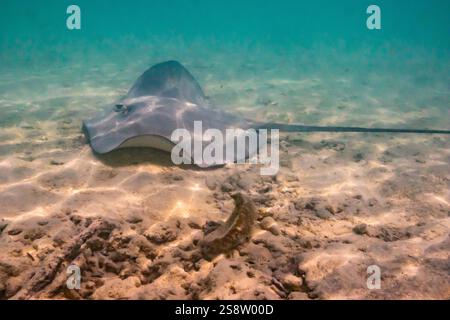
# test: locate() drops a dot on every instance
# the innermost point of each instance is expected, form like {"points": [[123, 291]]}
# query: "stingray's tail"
{"points": [[303, 128]]}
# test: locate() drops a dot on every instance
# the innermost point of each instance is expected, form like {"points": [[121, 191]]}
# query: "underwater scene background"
{"points": [[340, 203]]}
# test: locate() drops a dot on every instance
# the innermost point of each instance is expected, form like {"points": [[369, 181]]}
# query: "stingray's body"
{"points": [[167, 97]]}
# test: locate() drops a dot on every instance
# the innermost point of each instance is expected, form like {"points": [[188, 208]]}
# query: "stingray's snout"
{"points": [[120, 107]]}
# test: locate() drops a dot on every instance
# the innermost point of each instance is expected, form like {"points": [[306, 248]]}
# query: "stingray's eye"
{"points": [[119, 107]]}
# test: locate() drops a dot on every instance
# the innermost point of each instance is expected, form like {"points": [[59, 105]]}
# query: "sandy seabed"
{"points": [[134, 223]]}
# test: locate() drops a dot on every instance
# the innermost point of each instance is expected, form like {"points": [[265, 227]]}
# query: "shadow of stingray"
{"points": [[135, 156]]}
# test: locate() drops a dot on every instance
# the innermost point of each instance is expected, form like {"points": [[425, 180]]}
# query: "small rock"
{"points": [[323, 213], [76, 219], [307, 244], [56, 163], [95, 244], [118, 256], [269, 224], [61, 238], [9, 268], [275, 229], [105, 231], [243, 184], [310, 205], [292, 283], [161, 233], [360, 229], [143, 245], [34, 234], [226, 187], [111, 267]]}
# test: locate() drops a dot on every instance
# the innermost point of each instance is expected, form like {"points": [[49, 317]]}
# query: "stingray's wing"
{"points": [[169, 80], [151, 121], [145, 116]]}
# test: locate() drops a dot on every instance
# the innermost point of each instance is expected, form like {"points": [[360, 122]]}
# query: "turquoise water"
{"points": [[316, 61]]}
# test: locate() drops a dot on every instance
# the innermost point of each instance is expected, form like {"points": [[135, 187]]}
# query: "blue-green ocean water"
{"points": [[298, 61]]}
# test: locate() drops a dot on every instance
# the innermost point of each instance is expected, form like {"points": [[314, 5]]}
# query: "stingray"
{"points": [[167, 97]]}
